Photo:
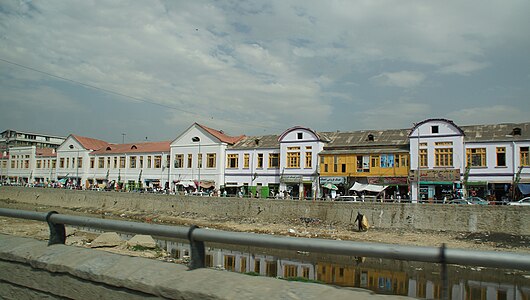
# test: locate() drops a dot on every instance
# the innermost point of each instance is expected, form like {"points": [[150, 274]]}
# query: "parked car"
{"points": [[459, 201], [477, 200], [524, 202]]}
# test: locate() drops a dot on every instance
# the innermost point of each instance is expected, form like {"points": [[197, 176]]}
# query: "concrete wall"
{"points": [[33, 270], [465, 218]]}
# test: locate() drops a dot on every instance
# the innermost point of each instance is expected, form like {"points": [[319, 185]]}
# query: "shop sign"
{"points": [[291, 178], [388, 180], [435, 175], [332, 180]]}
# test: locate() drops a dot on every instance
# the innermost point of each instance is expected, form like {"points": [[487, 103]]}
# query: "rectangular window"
{"points": [[190, 161], [257, 266], [326, 168], [122, 162], [501, 157], [79, 162], [290, 271], [443, 144], [39, 164], [343, 169], [243, 265], [375, 161], [305, 272], [524, 156], [61, 163], [101, 163], [141, 162], [210, 163], [271, 269], [168, 161], [115, 165], [230, 263], [199, 160], [232, 162], [92, 163], [434, 129], [443, 157], [309, 159], [260, 160], [179, 161], [476, 157], [293, 159], [132, 162], [274, 160], [54, 163], [246, 161], [335, 163], [158, 161], [300, 135], [423, 158], [68, 162]]}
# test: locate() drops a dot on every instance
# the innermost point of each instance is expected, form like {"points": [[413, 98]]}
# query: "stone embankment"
{"points": [[452, 218]]}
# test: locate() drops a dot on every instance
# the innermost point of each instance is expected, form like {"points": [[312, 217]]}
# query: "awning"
{"points": [[477, 183], [524, 188], [206, 184], [359, 187], [187, 183]]}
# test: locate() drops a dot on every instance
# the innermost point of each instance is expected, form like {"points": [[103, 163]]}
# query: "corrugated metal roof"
{"points": [[259, 142], [496, 132], [361, 138], [365, 151]]}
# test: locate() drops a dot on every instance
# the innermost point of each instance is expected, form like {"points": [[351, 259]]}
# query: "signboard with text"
{"points": [[435, 175]]}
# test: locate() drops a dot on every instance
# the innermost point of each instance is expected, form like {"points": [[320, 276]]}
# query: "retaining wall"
{"points": [[33, 270], [462, 218]]}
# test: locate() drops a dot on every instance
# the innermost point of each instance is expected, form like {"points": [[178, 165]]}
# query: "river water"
{"points": [[383, 276]]}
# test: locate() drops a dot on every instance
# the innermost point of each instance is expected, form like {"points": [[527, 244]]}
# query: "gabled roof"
{"points": [[220, 135], [367, 138], [89, 143], [45, 152], [497, 132], [257, 142], [149, 147]]}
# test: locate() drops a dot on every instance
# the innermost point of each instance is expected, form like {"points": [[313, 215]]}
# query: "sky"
{"points": [[147, 70]]}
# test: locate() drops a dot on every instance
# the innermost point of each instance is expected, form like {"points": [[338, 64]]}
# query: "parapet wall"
{"points": [[461, 218], [33, 270]]}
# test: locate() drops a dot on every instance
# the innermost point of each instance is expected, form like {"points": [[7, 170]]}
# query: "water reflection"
{"points": [[413, 279]]}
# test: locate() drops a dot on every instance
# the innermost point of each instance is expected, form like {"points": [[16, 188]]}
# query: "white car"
{"points": [[524, 201]]}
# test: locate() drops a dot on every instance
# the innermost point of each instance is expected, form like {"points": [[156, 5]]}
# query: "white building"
{"points": [[253, 165], [198, 157], [299, 148], [481, 160], [73, 159]]}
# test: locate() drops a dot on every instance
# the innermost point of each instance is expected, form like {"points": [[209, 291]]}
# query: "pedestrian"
{"points": [[359, 220]]}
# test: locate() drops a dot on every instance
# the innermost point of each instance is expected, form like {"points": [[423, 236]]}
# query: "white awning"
{"points": [[359, 187], [186, 183]]}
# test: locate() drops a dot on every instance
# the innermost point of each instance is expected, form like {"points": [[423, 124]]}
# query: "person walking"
{"points": [[362, 222]]}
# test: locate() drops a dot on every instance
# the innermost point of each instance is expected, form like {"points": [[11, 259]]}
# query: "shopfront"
{"points": [[339, 182]]}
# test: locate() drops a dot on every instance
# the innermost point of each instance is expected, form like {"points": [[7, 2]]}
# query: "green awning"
{"points": [[436, 182], [477, 183]]}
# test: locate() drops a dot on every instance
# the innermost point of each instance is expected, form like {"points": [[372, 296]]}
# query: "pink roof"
{"points": [[90, 143], [45, 152], [221, 136], [134, 148]]}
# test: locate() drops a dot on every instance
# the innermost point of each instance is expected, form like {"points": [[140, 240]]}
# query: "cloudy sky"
{"points": [[150, 69]]}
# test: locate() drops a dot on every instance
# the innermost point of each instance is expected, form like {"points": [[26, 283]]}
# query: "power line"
{"points": [[128, 96]]}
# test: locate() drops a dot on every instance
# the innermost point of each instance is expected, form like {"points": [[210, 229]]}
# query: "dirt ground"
{"points": [[298, 228]]}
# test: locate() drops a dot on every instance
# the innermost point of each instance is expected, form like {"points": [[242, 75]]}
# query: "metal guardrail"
{"points": [[198, 236]]}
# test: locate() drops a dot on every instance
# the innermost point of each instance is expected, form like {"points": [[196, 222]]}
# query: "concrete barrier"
{"points": [[461, 218], [33, 270]]}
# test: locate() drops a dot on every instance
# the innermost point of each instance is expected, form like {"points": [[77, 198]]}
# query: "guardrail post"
{"points": [[57, 231], [197, 250], [443, 261]]}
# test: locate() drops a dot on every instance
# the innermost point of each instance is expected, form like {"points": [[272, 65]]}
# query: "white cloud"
{"points": [[403, 79], [484, 115], [464, 67]]}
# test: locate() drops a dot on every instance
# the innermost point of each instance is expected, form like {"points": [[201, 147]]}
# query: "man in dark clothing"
{"points": [[359, 220]]}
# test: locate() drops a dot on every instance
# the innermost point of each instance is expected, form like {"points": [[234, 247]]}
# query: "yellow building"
{"points": [[374, 157]]}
